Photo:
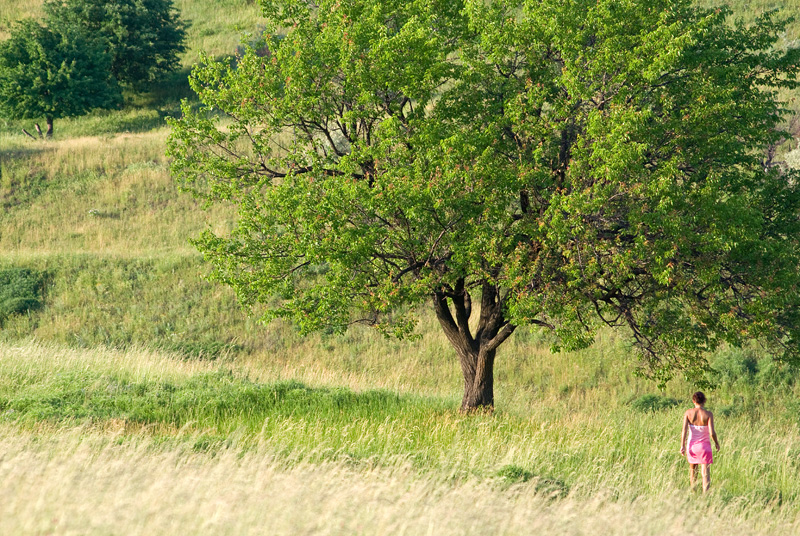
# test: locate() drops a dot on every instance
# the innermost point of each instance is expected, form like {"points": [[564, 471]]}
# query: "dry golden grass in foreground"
{"points": [[71, 481]]}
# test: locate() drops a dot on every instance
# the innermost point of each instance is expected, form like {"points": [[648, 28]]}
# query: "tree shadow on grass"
{"points": [[21, 176], [13, 178], [14, 154], [219, 401], [167, 94]]}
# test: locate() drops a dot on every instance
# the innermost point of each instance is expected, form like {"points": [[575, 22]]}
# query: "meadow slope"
{"points": [[139, 398]]}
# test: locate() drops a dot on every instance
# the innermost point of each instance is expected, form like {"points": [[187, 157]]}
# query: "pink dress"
{"points": [[698, 445]]}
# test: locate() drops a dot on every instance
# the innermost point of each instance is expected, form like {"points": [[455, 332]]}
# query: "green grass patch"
{"points": [[218, 402], [123, 302], [549, 487]]}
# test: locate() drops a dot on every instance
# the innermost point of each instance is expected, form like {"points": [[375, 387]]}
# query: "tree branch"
{"points": [[504, 333]]}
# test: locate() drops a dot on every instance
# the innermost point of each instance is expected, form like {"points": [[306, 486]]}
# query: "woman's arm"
{"points": [[711, 429], [683, 434]]}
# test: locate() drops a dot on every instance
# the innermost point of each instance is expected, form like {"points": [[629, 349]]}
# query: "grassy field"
{"points": [[81, 482], [139, 399], [139, 441]]}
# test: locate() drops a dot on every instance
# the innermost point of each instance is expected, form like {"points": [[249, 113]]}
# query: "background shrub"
{"points": [[21, 290], [647, 403]]}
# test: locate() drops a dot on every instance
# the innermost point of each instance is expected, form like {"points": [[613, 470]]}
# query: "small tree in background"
{"points": [[560, 163], [143, 37], [54, 72]]}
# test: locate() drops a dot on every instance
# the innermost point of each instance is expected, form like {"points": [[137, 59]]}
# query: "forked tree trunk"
{"points": [[477, 351], [49, 132]]}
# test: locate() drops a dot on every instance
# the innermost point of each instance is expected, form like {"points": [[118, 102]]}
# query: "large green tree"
{"points": [[144, 37], [54, 72], [560, 163]]}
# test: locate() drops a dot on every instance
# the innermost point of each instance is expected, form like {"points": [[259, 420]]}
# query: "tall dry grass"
{"points": [[594, 446], [78, 482]]}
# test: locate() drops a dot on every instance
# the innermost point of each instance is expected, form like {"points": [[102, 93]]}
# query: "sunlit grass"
{"points": [[214, 26], [139, 399], [174, 426], [598, 446], [80, 481], [108, 194]]}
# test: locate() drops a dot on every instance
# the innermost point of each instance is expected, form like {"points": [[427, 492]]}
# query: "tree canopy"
{"points": [[143, 37], [54, 72], [561, 163]]}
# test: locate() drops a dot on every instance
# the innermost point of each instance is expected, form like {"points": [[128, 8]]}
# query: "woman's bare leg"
{"points": [[706, 470], [692, 475]]}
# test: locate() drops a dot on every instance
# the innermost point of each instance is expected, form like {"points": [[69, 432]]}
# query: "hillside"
{"points": [[96, 211], [97, 214], [127, 317]]}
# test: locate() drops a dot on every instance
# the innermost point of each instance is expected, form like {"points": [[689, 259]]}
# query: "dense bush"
{"points": [[749, 367], [21, 290], [647, 403], [144, 38], [54, 71]]}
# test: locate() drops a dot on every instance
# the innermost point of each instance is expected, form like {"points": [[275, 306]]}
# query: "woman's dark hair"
{"points": [[699, 398]]}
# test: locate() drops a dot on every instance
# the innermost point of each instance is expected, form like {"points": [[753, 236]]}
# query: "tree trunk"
{"points": [[49, 133], [478, 371], [475, 352]]}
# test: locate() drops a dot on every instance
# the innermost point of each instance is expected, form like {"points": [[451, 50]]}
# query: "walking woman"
{"points": [[698, 430]]}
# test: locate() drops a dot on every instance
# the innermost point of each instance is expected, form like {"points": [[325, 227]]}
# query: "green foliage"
{"points": [[568, 164], [312, 60], [750, 369], [143, 37], [649, 403], [53, 72], [21, 290]]}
